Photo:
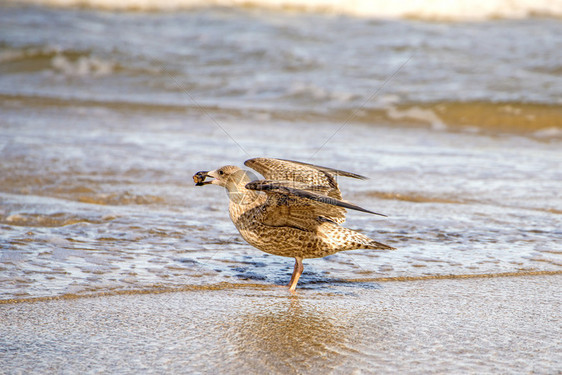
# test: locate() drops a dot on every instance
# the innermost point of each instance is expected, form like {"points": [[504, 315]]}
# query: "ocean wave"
{"points": [[537, 120], [46, 58], [69, 63], [83, 66], [58, 219], [417, 114], [432, 9]]}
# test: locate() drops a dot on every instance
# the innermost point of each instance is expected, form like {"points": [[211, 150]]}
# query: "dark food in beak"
{"points": [[199, 178]]}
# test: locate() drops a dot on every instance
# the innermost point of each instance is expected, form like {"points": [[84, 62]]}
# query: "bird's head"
{"points": [[229, 176]]}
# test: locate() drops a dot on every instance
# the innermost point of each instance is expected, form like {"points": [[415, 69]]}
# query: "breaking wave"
{"points": [[461, 10]]}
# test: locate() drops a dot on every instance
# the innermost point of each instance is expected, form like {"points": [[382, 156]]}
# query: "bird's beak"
{"points": [[199, 178]]}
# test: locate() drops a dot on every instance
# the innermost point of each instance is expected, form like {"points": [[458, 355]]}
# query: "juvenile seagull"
{"points": [[296, 211]]}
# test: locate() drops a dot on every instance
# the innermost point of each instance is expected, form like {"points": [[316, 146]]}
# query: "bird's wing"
{"points": [[298, 172], [299, 205], [273, 167]]}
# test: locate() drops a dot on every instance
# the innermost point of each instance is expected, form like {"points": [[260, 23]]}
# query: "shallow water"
{"points": [[106, 116]]}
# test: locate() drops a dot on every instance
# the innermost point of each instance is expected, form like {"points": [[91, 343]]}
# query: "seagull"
{"points": [[295, 211]]}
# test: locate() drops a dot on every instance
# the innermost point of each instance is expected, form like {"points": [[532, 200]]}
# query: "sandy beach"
{"points": [[480, 325]]}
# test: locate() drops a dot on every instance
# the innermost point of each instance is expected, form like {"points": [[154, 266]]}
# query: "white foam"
{"points": [[552, 132], [417, 114], [314, 92], [423, 9], [83, 66]]}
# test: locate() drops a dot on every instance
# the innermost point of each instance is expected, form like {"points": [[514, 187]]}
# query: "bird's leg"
{"points": [[296, 274]]}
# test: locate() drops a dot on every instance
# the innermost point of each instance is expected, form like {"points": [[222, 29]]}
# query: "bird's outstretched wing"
{"points": [[271, 166], [300, 192], [298, 172], [296, 205]]}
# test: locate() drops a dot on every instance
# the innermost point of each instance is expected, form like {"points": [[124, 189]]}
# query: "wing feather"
{"points": [[300, 194], [337, 172], [289, 170], [288, 205]]}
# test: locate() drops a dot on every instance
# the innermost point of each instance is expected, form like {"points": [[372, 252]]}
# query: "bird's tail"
{"points": [[363, 242], [348, 239]]}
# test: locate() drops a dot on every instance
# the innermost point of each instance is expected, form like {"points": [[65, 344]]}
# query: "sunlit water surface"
{"points": [[99, 138]]}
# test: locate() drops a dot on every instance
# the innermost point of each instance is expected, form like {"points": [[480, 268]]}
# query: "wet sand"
{"points": [[478, 325]]}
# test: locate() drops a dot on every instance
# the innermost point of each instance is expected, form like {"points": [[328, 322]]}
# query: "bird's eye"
{"points": [[221, 173]]}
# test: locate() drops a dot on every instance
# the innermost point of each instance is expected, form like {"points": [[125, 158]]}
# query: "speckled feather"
{"points": [[296, 211], [285, 223]]}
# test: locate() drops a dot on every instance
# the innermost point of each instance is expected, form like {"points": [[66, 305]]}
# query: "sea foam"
{"points": [[461, 10]]}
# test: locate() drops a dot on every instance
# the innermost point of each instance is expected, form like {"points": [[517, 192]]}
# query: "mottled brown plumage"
{"points": [[296, 211]]}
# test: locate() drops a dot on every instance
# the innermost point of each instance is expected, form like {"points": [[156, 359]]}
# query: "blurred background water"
{"points": [[454, 112]]}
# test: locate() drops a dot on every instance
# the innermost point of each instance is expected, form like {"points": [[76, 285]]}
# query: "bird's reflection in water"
{"points": [[292, 335]]}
